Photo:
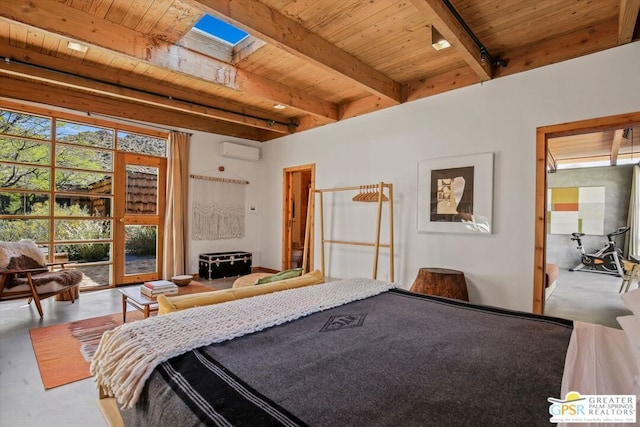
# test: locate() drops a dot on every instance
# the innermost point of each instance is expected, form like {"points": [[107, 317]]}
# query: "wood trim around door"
{"points": [[287, 174], [542, 136], [122, 218]]}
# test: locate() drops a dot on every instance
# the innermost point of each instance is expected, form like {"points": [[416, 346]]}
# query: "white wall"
{"points": [[204, 159], [499, 116]]}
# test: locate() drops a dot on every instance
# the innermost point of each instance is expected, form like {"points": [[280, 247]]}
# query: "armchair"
{"points": [[24, 273]]}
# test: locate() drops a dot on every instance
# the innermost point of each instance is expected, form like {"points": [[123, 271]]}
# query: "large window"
{"points": [[57, 184]]}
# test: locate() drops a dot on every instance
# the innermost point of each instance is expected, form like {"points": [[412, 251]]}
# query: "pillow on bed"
{"points": [[287, 274], [632, 301]]}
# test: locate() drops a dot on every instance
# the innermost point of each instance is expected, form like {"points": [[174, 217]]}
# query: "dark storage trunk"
{"points": [[224, 264]]}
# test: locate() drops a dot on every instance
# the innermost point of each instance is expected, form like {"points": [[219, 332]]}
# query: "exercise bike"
{"points": [[607, 260]]}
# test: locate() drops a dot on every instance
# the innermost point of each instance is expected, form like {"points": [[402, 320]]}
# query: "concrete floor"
{"points": [[589, 297], [25, 403], [23, 400]]}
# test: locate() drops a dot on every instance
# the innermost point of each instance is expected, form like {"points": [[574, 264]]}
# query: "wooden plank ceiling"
{"points": [[323, 60], [605, 147]]}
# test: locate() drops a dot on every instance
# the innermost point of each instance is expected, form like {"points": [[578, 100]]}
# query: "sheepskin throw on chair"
{"points": [[218, 208]]}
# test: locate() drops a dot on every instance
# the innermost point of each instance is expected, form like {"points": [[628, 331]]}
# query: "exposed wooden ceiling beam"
{"points": [[103, 89], [363, 106], [76, 24], [441, 83], [26, 90], [552, 165], [446, 23], [130, 81], [58, 18], [583, 42], [283, 94], [310, 122], [627, 20], [273, 27], [616, 142]]}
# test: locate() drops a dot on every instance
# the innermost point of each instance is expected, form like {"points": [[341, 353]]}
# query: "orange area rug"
{"points": [[64, 351]]}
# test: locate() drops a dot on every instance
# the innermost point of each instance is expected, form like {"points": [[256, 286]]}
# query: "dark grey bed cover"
{"points": [[396, 359]]}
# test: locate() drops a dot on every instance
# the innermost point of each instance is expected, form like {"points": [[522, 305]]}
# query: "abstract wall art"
{"points": [[455, 194], [575, 210]]}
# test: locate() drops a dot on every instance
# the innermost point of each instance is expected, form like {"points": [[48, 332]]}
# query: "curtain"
{"points": [[176, 236], [632, 243]]}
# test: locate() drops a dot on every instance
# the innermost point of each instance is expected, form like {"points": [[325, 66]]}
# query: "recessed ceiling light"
{"points": [[78, 47], [279, 106], [442, 44], [438, 41]]}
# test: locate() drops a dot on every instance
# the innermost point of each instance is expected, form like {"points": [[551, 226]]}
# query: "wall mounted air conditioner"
{"points": [[237, 151]]}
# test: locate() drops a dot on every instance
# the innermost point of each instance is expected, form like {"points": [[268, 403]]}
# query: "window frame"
{"points": [[51, 242]]}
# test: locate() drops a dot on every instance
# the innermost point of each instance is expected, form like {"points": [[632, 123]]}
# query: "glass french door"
{"points": [[139, 217]]}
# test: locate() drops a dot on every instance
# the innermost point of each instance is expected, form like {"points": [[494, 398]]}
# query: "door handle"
{"points": [[121, 220]]}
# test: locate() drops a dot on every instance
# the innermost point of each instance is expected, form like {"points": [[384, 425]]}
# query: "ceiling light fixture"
{"points": [[78, 47], [437, 40], [279, 106]]}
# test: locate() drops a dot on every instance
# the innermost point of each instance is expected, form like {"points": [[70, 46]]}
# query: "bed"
{"points": [[353, 352]]}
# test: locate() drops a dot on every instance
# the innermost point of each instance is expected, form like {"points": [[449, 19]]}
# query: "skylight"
{"points": [[221, 30]]}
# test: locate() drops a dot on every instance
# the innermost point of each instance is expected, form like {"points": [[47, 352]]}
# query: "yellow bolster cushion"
{"points": [[168, 304]]}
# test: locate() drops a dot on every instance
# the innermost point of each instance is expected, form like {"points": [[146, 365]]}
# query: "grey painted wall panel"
{"points": [[561, 250]]}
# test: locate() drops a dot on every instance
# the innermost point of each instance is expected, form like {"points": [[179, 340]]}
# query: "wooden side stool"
{"points": [[441, 282]]}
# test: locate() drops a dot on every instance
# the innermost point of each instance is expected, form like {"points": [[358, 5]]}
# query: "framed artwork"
{"points": [[575, 210], [455, 194]]}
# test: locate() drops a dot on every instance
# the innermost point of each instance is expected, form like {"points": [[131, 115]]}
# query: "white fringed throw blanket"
{"points": [[128, 354]]}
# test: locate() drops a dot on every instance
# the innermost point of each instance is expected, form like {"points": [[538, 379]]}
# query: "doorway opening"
{"points": [[545, 162], [140, 186], [297, 217]]}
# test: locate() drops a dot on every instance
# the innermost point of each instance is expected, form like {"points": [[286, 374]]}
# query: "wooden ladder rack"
{"points": [[379, 198]]}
